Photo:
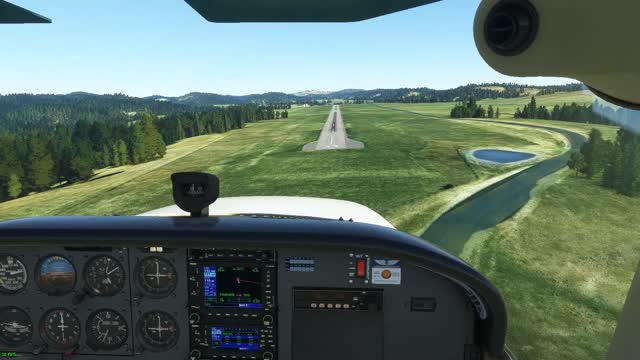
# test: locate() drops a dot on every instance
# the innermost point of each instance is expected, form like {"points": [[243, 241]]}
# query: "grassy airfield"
{"points": [[563, 263], [407, 161]]}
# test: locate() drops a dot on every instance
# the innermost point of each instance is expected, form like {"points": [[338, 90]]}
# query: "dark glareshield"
{"points": [[229, 11], [13, 14]]}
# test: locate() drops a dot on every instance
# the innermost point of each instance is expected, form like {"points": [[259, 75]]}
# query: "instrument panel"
{"points": [[89, 301], [222, 303]]}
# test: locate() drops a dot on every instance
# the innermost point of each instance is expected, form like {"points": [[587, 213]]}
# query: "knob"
{"points": [[195, 354], [267, 320], [194, 318], [267, 356]]}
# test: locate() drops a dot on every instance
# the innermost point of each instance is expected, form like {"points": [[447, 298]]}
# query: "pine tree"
{"points": [[613, 169], [518, 114], [594, 152], [622, 172], [479, 113], [490, 112], [533, 108], [629, 146], [555, 113], [105, 156], [81, 164], [179, 131], [154, 144], [543, 113], [14, 186], [115, 155], [498, 113], [137, 145], [39, 164], [576, 162], [123, 153]]}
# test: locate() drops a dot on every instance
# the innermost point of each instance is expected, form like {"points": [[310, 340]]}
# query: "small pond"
{"points": [[502, 156]]}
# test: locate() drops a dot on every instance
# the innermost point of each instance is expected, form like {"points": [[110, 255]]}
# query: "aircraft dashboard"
{"points": [[237, 288]]}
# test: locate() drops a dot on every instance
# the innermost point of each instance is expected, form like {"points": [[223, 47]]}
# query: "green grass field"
{"points": [[407, 160], [564, 264], [508, 107]]}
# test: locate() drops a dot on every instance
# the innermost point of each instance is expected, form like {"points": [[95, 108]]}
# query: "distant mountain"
{"points": [[311, 93], [46, 110], [423, 94], [208, 99]]}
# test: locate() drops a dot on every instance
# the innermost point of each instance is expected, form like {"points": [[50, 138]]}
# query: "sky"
{"points": [[163, 47]]}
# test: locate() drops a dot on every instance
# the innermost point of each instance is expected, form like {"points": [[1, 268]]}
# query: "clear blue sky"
{"points": [[147, 47]]}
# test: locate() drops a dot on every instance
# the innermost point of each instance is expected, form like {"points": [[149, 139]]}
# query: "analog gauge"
{"points": [[13, 274], [104, 276], [158, 330], [156, 276], [16, 327], [55, 275], [60, 328], [106, 330]]}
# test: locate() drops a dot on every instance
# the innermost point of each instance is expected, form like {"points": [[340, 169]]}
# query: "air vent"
{"points": [[511, 27]]}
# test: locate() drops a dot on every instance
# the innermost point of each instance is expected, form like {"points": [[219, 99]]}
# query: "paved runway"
{"points": [[333, 135]]}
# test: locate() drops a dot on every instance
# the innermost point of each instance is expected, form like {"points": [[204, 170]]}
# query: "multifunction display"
{"points": [[231, 301], [233, 286], [243, 339]]}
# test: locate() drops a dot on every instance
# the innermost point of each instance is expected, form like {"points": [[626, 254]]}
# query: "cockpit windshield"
{"points": [[394, 121]]}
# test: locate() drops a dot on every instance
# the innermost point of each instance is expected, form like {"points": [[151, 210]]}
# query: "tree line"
{"points": [[615, 163], [28, 111], [471, 109], [592, 113], [35, 159], [460, 93]]}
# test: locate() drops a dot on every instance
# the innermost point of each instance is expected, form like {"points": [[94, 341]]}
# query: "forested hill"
{"points": [[35, 160], [417, 95], [461, 93], [208, 99], [27, 111], [20, 111]]}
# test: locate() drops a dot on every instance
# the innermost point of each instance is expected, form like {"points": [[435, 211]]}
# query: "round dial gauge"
{"points": [[158, 330], [104, 276], [16, 327], [156, 276], [55, 275], [13, 274], [60, 328], [106, 330]]}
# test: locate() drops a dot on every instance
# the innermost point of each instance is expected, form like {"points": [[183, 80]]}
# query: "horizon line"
{"points": [[287, 93]]}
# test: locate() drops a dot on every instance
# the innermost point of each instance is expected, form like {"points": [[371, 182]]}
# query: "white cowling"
{"points": [[285, 206]]}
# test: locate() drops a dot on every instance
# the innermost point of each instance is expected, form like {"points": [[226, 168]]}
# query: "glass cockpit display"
{"points": [[243, 339], [233, 286]]}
